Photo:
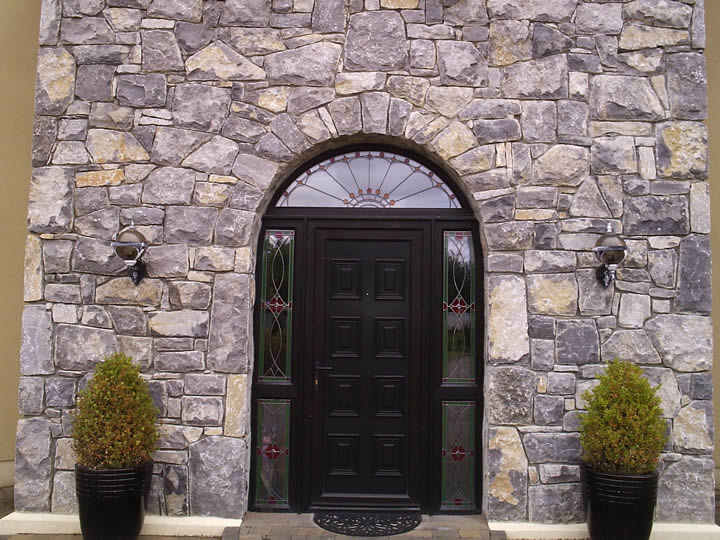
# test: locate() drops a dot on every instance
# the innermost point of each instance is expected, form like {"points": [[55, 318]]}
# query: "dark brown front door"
{"points": [[366, 367]]}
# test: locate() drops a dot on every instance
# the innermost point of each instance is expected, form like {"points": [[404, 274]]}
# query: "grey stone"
{"points": [[662, 266], [101, 54], [656, 214], [540, 326], [99, 224], [304, 99], [588, 201], [217, 482], [548, 410], [167, 261], [253, 41], [677, 500], [312, 65], [552, 447], [328, 16], [50, 200], [271, 147], [142, 90], [549, 261], [517, 235], [465, 12], [174, 437], [189, 295], [636, 36], [615, 97], [539, 121], [172, 145], [683, 341], [376, 41], [86, 31], [286, 130], [497, 209], [510, 42], [128, 320], [33, 465], [253, 13], [346, 113], [374, 107], [160, 51], [108, 146], [412, 89], [96, 316], [36, 345], [243, 130], [507, 474], [94, 82], [142, 215], [50, 16], [30, 396], [687, 85], [551, 473], [461, 64], [599, 19], [540, 10], [180, 323], [66, 293], [552, 294], [202, 411], [422, 54], [193, 37], [561, 165], [59, 392], [124, 291], [545, 78], [560, 383], [70, 129], [571, 421], [510, 391], [634, 310], [479, 159], [218, 62], [490, 109], [202, 107], [78, 8], [95, 256], [506, 314], [233, 227], [215, 157], [560, 503], [56, 255], [229, 339], [45, 132], [547, 41], [169, 185], [701, 386], [667, 13], [542, 354], [698, 25], [488, 131], [577, 342], [175, 487], [682, 150], [630, 346], [694, 278], [669, 393], [186, 10], [504, 262], [572, 118], [79, 348], [180, 362], [190, 225]]}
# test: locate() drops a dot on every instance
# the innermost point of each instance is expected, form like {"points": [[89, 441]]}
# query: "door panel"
{"points": [[363, 374]]}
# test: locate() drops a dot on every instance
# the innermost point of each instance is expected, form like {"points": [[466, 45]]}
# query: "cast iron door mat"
{"points": [[367, 523]]}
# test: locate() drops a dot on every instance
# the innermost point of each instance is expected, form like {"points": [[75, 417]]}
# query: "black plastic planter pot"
{"points": [[618, 505], [112, 502]]}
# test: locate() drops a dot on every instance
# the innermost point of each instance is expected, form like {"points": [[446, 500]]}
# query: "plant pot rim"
{"points": [[79, 466], [589, 467]]}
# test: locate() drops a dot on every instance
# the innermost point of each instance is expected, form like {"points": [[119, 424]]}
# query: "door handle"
{"points": [[318, 367]]}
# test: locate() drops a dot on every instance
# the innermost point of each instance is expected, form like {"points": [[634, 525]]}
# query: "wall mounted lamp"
{"points": [[129, 244], [610, 250]]}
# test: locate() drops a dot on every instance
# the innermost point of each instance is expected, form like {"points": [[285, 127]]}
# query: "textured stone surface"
{"points": [[539, 79], [677, 501], [552, 294], [49, 208], [560, 503], [624, 98], [577, 342], [35, 348], [509, 395], [312, 65], [219, 62], [562, 165], [376, 42], [662, 214], [682, 150], [461, 64], [55, 84], [683, 341], [631, 346], [508, 340], [80, 348], [33, 462], [229, 338], [507, 465], [694, 276], [217, 480]]}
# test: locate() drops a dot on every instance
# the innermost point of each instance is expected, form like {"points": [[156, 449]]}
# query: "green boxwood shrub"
{"points": [[114, 424], [623, 430]]}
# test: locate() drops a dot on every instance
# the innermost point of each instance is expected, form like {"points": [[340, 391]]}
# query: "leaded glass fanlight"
{"points": [[368, 179]]}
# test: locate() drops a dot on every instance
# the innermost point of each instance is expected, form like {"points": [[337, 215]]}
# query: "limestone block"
{"points": [[561, 165], [219, 62], [613, 155], [169, 185], [181, 323], [634, 310], [50, 200], [142, 90], [599, 19], [507, 474], [683, 341], [669, 392], [398, 115], [465, 12], [33, 465], [202, 411], [94, 82], [59, 392], [560, 383], [552, 447], [558, 503], [490, 131], [180, 362], [510, 42], [509, 395], [188, 10], [422, 54], [188, 295], [311, 65], [687, 85], [127, 320], [456, 139], [635, 36], [215, 157], [376, 41], [546, 78], [50, 16], [667, 13], [218, 477], [31, 395], [539, 121], [33, 270], [552, 294], [346, 114], [517, 235], [236, 407], [123, 19], [577, 342], [413, 89], [685, 491], [615, 97], [656, 214], [630, 346], [547, 41], [508, 340], [461, 64], [201, 107], [490, 109], [78, 8], [124, 291], [248, 41], [35, 348], [107, 146], [694, 278], [548, 410], [173, 437], [192, 225], [86, 31], [252, 13], [160, 52], [229, 347], [79, 348], [541, 10], [328, 16], [682, 150]]}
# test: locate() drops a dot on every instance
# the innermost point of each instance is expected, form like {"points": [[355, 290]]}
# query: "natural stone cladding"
{"points": [[555, 117]]}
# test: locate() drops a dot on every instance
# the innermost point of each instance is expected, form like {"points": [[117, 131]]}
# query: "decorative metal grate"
{"points": [[367, 523]]}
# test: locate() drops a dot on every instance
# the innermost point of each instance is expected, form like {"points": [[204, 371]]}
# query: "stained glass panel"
{"points": [[276, 305], [273, 453], [458, 455], [369, 179], [458, 307]]}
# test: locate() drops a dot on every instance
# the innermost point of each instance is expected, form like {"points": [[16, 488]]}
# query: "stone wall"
{"points": [[556, 117]]}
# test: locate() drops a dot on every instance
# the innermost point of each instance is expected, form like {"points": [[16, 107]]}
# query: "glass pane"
{"points": [[458, 455], [276, 305], [273, 453], [458, 307], [369, 180]]}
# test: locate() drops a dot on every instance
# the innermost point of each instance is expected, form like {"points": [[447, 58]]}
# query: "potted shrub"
{"points": [[621, 436], [114, 435]]}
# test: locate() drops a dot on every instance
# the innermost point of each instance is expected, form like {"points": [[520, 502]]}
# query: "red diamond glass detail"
{"points": [[457, 453], [276, 305]]}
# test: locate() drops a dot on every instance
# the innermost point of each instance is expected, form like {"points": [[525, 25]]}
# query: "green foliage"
{"points": [[114, 424], [623, 430]]}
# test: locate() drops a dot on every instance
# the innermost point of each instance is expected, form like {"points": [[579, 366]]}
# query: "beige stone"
{"points": [[505, 441], [33, 285], [222, 179], [212, 194], [635, 129], [64, 454], [454, 140], [690, 429], [354, 83], [636, 37], [236, 406], [533, 214], [700, 207], [399, 4], [218, 61], [55, 85], [448, 100], [563, 164], [682, 149], [244, 260], [508, 339], [124, 291], [479, 159], [108, 146], [273, 99], [100, 178], [550, 294]]}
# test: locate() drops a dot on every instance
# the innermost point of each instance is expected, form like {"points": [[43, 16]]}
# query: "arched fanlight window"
{"points": [[368, 179]]}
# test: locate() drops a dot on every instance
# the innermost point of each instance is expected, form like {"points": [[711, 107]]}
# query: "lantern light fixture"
{"points": [[130, 245], [610, 250]]}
